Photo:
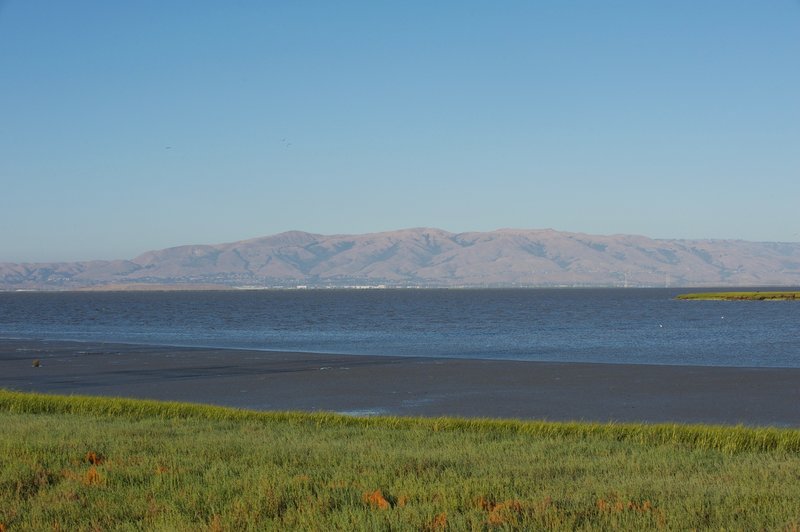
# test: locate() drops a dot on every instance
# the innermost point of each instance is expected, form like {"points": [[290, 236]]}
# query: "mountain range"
{"points": [[426, 257]]}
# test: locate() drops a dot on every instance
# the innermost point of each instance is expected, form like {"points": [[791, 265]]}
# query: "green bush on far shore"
{"points": [[741, 296], [96, 463]]}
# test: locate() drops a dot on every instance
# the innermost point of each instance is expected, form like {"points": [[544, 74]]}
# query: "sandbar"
{"points": [[407, 386]]}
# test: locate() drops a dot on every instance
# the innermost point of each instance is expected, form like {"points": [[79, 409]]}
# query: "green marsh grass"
{"points": [[86, 463], [741, 296]]}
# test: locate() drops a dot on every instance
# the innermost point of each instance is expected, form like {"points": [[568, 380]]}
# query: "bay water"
{"points": [[635, 326]]}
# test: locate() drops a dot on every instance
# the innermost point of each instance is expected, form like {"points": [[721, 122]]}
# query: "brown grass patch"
{"points": [[94, 458], [484, 504], [376, 500], [488, 505], [544, 504], [68, 474], [215, 524], [616, 505], [402, 500], [508, 511], [504, 512], [2, 527], [92, 477], [160, 469], [438, 523]]}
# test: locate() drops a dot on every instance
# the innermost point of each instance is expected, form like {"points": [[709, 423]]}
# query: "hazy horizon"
{"points": [[133, 127]]}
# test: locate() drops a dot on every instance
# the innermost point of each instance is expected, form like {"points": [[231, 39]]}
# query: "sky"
{"points": [[130, 126]]}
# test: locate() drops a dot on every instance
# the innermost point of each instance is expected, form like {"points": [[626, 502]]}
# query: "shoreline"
{"points": [[124, 345], [407, 386]]}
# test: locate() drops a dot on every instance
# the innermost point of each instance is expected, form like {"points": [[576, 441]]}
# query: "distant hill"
{"points": [[430, 257]]}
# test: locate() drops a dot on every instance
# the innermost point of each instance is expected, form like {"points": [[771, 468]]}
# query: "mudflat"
{"points": [[407, 386]]}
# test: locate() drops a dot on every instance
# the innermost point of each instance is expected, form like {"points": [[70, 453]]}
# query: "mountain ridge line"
{"points": [[431, 257]]}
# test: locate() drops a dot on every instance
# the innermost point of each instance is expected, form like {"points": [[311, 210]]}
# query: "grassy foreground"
{"points": [[81, 463], [742, 296]]}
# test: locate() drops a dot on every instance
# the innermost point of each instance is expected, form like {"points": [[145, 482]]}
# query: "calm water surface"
{"points": [[640, 326]]}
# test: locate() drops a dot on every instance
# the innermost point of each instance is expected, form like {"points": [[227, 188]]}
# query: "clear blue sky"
{"points": [[128, 126]]}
